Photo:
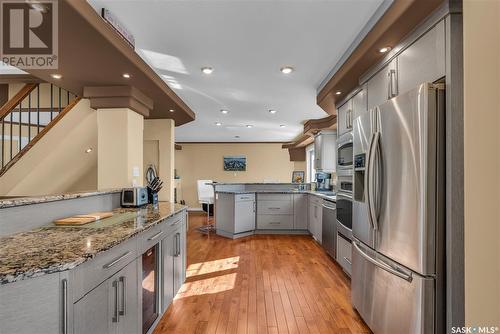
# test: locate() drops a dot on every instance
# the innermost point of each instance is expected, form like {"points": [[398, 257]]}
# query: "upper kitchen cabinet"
{"points": [[424, 60], [325, 151], [359, 104], [344, 118], [383, 85]]}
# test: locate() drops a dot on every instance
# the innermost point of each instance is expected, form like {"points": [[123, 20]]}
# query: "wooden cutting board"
{"points": [[83, 219]]}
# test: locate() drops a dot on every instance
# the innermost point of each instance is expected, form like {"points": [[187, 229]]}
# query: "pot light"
{"points": [[286, 69], [56, 76], [249, 126], [126, 75], [88, 150], [272, 111], [385, 49], [338, 92], [218, 123], [171, 110], [207, 70], [236, 137], [282, 125], [224, 111]]}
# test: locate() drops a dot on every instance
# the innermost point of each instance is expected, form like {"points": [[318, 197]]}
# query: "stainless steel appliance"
{"points": [[344, 152], [134, 197], [397, 257], [150, 290], [329, 228], [323, 181]]}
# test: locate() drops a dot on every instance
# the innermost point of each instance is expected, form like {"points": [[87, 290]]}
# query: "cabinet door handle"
{"points": [[123, 282], [347, 260], [274, 223], [273, 208], [115, 261], [65, 306], [254, 206], [177, 244], [156, 236], [116, 318], [177, 222]]}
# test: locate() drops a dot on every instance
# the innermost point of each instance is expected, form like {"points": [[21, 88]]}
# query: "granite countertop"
{"points": [[51, 248], [315, 193], [18, 201]]}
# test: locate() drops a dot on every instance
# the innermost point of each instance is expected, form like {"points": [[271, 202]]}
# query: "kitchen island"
{"points": [[244, 209], [89, 278]]}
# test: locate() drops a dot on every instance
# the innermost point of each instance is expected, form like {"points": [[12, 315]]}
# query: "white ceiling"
{"points": [[246, 42]]}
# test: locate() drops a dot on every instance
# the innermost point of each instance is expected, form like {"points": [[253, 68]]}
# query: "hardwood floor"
{"points": [[260, 284]]}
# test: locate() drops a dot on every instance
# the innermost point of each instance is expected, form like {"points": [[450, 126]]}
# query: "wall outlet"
{"points": [[136, 171]]}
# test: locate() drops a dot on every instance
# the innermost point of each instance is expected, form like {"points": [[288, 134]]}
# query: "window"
{"points": [[310, 171]]}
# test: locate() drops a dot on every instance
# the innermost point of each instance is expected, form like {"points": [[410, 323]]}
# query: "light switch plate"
{"points": [[135, 171]]}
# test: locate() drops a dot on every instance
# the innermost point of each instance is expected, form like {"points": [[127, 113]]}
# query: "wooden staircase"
{"points": [[28, 116]]}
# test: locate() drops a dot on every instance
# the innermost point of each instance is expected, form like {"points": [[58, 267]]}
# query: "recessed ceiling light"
{"points": [[207, 70], [286, 69], [171, 110], [236, 137], [385, 49], [224, 111], [218, 123], [56, 76], [249, 126], [338, 92], [282, 125], [126, 75], [88, 150], [272, 111]]}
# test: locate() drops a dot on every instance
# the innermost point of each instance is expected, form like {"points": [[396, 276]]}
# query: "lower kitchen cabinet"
{"points": [[173, 264], [316, 217], [33, 305], [300, 205], [112, 307]]}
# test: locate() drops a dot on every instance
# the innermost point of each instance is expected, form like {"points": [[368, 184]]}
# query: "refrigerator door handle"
{"points": [[367, 179], [381, 265], [371, 200]]}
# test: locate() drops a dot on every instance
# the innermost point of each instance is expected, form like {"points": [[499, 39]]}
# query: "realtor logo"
{"points": [[29, 34]]}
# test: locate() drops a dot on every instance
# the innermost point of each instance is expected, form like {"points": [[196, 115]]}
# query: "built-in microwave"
{"points": [[344, 152]]}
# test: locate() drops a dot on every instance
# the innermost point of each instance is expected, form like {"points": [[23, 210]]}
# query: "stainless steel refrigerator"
{"points": [[398, 216]]}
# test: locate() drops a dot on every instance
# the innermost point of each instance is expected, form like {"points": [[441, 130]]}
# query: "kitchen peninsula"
{"points": [[88, 278], [244, 209]]}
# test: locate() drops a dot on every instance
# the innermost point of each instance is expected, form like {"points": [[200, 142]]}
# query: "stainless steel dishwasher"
{"points": [[329, 229]]}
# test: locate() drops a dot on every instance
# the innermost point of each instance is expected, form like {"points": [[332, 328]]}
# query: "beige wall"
{"points": [[120, 148], [161, 131], [204, 161], [482, 161], [58, 162]]}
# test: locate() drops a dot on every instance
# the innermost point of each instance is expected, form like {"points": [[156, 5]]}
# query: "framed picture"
{"points": [[235, 163], [298, 176]]}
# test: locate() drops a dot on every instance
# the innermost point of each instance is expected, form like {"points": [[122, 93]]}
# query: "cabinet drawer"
{"points": [[274, 222], [275, 207], [171, 224], [275, 197], [244, 197], [344, 253], [151, 237], [91, 273]]}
